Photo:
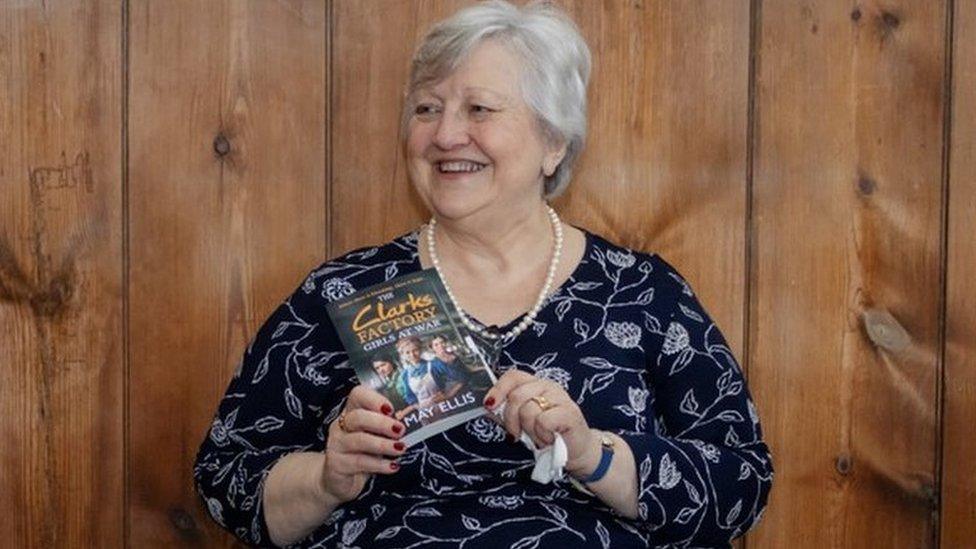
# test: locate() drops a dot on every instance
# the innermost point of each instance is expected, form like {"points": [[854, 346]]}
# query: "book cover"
{"points": [[405, 339]]}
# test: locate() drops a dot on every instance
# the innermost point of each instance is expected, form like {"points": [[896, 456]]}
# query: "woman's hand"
{"points": [[541, 408], [361, 442]]}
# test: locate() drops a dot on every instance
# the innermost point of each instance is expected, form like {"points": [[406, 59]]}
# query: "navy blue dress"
{"points": [[627, 339]]}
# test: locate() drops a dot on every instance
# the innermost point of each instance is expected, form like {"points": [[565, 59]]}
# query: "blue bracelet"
{"points": [[606, 456]]}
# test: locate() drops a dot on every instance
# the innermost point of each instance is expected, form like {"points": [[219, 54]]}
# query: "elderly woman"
{"points": [[605, 346]]}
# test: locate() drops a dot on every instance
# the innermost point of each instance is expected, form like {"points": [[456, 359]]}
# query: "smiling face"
{"points": [[473, 144], [409, 352]]}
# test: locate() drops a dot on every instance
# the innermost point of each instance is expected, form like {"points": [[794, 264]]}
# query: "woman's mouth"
{"points": [[459, 166]]}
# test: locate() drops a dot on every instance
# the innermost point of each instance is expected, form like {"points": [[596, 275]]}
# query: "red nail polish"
{"points": [[386, 409], [394, 466], [398, 446], [489, 402], [397, 429]]}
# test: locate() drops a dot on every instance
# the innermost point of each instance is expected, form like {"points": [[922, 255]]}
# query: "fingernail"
{"points": [[394, 466], [489, 402], [386, 409], [397, 429], [398, 446]]}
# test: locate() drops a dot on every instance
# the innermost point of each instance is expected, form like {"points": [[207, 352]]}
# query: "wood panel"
{"points": [[61, 322], [227, 163], [846, 262], [959, 396]]}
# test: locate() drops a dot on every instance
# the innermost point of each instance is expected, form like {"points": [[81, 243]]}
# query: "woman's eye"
{"points": [[480, 109], [424, 110]]}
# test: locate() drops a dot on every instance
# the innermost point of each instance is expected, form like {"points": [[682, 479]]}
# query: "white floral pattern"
{"points": [[558, 375], [336, 288], [485, 430], [674, 394], [625, 335], [675, 340]]}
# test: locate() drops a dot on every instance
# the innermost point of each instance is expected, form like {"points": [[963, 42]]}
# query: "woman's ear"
{"points": [[553, 158]]}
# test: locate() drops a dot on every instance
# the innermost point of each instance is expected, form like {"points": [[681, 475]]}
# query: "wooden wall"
{"points": [[169, 171]]}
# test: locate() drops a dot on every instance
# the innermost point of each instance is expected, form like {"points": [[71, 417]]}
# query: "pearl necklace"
{"points": [[527, 318]]}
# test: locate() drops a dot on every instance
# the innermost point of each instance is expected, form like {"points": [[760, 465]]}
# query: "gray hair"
{"points": [[554, 77]]}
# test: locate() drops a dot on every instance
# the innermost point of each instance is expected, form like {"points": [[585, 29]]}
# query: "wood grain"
{"points": [[847, 205], [227, 164], [959, 396], [61, 361]]}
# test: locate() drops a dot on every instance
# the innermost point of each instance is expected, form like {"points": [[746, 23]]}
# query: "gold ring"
{"points": [[542, 401], [342, 422]]}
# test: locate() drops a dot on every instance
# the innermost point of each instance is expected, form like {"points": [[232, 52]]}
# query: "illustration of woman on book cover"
{"points": [[425, 382], [387, 379]]}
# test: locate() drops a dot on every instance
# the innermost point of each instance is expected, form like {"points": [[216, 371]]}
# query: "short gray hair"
{"points": [[554, 78]]}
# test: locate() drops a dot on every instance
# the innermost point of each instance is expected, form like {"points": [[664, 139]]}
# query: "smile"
{"points": [[459, 166]]}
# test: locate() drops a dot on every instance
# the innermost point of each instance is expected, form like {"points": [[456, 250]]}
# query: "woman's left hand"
{"points": [[541, 408]]}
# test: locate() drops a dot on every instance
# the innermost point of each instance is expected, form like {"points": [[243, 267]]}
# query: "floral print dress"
{"points": [[625, 336]]}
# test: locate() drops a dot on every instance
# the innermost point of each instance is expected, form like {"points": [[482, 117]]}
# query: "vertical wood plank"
{"points": [[61, 362], [959, 396], [847, 204], [227, 162]]}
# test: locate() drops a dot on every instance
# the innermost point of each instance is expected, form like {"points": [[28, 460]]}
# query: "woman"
{"points": [[605, 346], [387, 381]]}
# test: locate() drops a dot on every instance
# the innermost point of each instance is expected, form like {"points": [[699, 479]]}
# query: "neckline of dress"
{"points": [[589, 242]]}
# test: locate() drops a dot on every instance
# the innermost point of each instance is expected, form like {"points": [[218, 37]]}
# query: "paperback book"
{"points": [[405, 339]]}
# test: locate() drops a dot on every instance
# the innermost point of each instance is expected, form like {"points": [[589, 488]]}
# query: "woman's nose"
{"points": [[452, 131]]}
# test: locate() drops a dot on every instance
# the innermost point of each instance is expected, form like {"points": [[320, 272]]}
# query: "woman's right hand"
{"points": [[366, 443]]}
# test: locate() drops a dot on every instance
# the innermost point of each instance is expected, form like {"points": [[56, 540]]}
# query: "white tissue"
{"points": [[549, 460]]}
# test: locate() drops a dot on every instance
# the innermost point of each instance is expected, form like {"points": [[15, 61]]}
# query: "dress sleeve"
{"points": [[704, 472], [292, 380]]}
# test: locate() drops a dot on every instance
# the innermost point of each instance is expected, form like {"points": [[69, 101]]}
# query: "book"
{"points": [[405, 339]]}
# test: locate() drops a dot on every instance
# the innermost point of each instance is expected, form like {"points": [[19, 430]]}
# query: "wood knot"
{"points": [[221, 145], [55, 299], [856, 15], [866, 185], [885, 330], [890, 20], [843, 464], [182, 521]]}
